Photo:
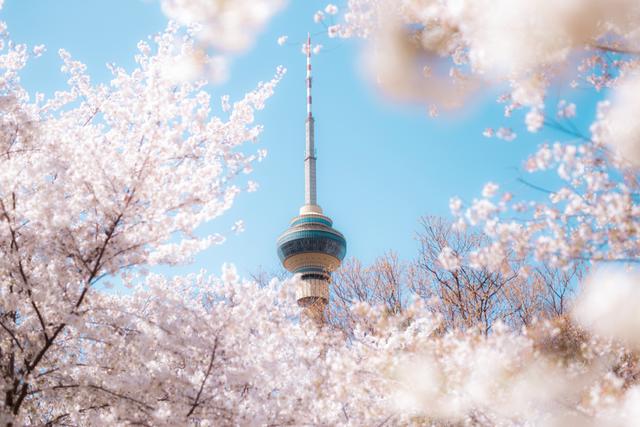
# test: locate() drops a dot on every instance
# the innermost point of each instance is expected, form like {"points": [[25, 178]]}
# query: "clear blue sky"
{"points": [[380, 165]]}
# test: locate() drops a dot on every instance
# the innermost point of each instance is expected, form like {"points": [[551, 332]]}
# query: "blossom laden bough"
{"points": [[99, 181], [523, 43]]}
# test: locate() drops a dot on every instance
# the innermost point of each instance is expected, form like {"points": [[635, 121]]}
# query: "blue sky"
{"points": [[380, 165]]}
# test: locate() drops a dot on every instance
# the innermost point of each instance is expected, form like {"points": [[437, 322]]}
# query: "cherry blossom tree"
{"points": [[441, 52], [101, 181]]}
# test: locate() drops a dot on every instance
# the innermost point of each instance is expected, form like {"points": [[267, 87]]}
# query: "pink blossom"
{"points": [[331, 9], [506, 134], [332, 31], [488, 132], [489, 190], [534, 120], [448, 259]]}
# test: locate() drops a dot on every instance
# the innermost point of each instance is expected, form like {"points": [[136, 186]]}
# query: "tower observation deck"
{"points": [[311, 246]]}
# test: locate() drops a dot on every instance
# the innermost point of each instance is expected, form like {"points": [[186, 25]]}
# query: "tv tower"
{"points": [[310, 246]]}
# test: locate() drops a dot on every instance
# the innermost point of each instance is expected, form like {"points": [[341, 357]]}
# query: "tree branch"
{"points": [[197, 400]]}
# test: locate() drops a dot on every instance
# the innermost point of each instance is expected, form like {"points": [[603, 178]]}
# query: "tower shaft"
{"points": [[310, 195]]}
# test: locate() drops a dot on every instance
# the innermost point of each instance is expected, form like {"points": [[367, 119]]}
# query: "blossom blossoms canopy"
{"points": [[98, 181], [524, 42], [441, 51], [229, 26], [201, 349], [103, 179]]}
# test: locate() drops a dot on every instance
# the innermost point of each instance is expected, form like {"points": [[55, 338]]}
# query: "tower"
{"points": [[310, 246]]}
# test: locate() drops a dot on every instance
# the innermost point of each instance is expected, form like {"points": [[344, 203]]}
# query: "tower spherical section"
{"points": [[310, 243], [312, 248]]}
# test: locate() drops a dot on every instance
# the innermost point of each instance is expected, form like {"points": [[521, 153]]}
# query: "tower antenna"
{"points": [[308, 75]]}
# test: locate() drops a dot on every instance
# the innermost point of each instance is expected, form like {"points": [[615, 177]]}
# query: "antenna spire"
{"points": [[310, 157], [308, 74]]}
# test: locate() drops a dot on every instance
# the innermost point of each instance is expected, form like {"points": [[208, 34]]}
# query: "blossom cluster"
{"points": [[466, 45], [209, 351], [228, 26], [96, 182]]}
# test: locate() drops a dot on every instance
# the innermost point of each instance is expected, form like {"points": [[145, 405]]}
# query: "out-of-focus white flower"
{"points": [[621, 126], [490, 189], [421, 383], [229, 273], [529, 91], [217, 69], [318, 17], [566, 109], [333, 30], [225, 25], [39, 50], [252, 186], [195, 64], [238, 226], [282, 40], [480, 210], [459, 225], [183, 68], [455, 204], [448, 259], [224, 102], [316, 49], [331, 9], [488, 132], [534, 120], [609, 305], [506, 133]]}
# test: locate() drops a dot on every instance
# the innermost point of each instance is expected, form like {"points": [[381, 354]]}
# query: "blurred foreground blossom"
{"points": [[506, 133], [489, 190], [238, 227], [620, 125], [229, 26], [448, 259], [610, 305], [331, 9], [534, 120], [527, 44], [195, 64]]}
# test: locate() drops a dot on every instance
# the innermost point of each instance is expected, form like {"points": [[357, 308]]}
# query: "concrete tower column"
{"points": [[310, 194]]}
